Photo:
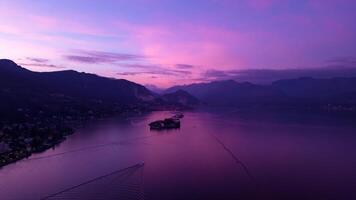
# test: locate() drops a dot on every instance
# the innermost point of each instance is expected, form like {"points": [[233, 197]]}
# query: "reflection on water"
{"points": [[215, 155]]}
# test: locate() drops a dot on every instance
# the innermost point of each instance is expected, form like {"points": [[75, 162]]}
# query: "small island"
{"points": [[168, 123]]}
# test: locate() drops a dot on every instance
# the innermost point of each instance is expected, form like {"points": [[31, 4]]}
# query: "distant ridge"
{"points": [[231, 93], [301, 92], [180, 97]]}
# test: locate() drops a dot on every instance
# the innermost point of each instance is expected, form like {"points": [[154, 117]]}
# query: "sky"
{"points": [[175, 42]]}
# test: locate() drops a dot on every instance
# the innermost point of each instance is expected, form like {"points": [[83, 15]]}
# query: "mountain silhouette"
{"points": [[70, 83], [303, 91], [180, 97], [24, 89], [231, 93]]}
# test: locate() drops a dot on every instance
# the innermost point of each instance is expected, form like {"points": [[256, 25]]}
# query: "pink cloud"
{"points": [[230, 34], [202, 46], [188, 43]]}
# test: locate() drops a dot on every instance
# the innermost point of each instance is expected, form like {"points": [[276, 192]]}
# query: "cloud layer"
{"points": [[95, 57], [266, 76], [180, 41]]}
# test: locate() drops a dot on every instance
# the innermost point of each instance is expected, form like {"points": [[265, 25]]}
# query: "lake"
{"points": [[214, 155]]}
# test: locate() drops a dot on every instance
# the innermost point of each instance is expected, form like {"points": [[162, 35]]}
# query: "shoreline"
{"points": [[25, 147], [22, 145]]}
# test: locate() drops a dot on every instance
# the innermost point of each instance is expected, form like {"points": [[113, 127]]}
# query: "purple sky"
{"points": [[167, 42]]}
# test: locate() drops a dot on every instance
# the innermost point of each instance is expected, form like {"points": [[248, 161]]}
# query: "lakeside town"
{"points": [[36, 132]]}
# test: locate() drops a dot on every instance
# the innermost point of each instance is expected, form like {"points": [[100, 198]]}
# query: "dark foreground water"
{"points": [[215, 155]]}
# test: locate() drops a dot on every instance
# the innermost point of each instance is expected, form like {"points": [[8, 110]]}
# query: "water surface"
{"points": [[215, 155]]}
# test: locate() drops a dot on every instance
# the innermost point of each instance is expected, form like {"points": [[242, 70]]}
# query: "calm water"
{"points": [[215, 155]]}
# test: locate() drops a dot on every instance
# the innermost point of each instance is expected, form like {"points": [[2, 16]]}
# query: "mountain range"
{"points": [[71, 83], [22, 88], [301, 92]]}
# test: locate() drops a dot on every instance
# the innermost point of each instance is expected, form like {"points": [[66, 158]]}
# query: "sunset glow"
{"points": [[180, 41]]}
